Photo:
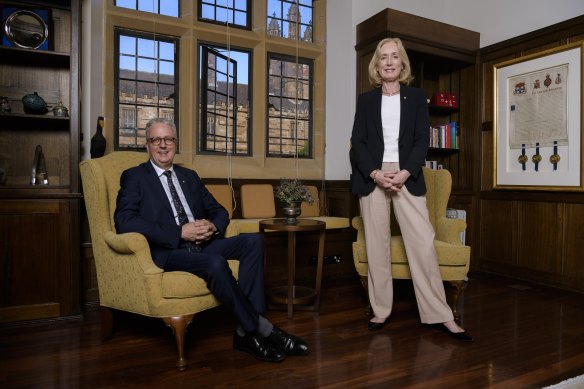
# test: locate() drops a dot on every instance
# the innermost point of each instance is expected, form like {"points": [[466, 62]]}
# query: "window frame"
{"points": [[310, 137], [248, 16], [201, 130], [118, 31], [178, 10]]}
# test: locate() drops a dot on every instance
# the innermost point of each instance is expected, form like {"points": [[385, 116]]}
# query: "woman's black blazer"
{"points": [[367, 145]]}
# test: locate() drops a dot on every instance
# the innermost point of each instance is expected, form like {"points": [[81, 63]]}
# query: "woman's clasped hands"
{"points": [[391, 180]]}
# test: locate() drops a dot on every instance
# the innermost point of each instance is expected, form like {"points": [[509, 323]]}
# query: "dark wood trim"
{"points": [[418, 31], [560, 33]]}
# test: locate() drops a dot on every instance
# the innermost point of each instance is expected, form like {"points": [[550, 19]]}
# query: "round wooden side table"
{"points": [[292, 294]]}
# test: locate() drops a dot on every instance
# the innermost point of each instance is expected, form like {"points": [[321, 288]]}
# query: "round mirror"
{"points": [[26, 29]]}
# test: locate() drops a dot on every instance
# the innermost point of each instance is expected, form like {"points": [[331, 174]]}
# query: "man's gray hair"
{"points": [[154, 121]]}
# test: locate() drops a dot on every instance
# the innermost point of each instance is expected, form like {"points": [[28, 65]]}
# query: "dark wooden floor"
{"points": [[526, 337]]}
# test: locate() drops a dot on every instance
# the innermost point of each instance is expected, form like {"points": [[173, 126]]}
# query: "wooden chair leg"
{"points": [[107, 323], [456, 293], [179, 325]]}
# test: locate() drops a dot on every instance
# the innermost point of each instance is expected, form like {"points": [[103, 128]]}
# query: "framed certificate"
{"points": [[538, 121]]}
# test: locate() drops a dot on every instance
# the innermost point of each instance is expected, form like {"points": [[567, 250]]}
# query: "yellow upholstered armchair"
{"points": [[128, 280], [453, 256]]}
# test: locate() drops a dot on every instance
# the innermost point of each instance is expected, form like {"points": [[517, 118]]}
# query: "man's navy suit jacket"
{"points": [[143, 207]]}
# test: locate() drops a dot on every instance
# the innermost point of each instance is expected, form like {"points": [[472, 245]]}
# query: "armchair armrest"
{"points": [[357, 223], [448, 230], [232, 229], [134, 244]]}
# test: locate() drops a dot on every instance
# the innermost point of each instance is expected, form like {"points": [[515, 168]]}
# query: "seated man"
{"points": [[185, 227]]}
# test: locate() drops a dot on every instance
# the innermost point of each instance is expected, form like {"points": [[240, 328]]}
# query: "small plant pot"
{"points": [[292, 211]]}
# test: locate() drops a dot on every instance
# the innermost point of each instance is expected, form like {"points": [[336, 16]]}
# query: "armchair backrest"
{"points": [[439, 186], [101, 182]]}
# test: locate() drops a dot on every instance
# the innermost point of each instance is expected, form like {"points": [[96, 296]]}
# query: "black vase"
{"points": [[97, 148]]}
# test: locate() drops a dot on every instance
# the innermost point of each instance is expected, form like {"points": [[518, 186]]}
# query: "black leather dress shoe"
{"points": [[258, 347], [462, 336], [289, 344], [372, 326]]}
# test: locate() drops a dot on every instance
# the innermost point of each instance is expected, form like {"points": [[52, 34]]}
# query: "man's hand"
{"points": [[198, 231]]}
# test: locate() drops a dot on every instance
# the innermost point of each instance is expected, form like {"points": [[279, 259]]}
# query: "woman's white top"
{"points": [[390, 116]]}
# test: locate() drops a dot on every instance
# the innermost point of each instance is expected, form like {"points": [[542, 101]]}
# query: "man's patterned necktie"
{"points": [[180, 210]]}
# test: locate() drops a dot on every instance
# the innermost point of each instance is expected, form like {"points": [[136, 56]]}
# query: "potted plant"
{"points": [[292, 193]]}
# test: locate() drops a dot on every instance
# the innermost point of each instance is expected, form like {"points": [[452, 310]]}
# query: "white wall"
{"points": [[92, 70], [495, 20]]}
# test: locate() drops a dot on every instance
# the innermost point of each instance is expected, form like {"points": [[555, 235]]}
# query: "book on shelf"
{"points": [[444, 136], [452, 213]]}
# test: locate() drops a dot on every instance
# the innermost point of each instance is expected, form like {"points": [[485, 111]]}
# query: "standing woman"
{"points": [[389, 143]]}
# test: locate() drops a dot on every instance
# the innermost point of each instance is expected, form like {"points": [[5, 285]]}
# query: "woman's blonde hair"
{"points": [[405, 76]]}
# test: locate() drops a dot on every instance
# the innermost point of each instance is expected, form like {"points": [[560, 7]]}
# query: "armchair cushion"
{"points": [[257, 201], [223, 195], [179, 284]]}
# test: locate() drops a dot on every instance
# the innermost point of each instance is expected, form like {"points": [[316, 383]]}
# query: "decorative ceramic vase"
{"points": [[97, 148], [34, 104], [292, 211]]}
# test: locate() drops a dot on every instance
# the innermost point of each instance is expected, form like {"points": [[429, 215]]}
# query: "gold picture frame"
{"points": [[537, 121]]}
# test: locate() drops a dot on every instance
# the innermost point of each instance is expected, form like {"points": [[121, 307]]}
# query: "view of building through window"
{"points": [[290, 19], [225, 100], [289, 106], [146, 84]]}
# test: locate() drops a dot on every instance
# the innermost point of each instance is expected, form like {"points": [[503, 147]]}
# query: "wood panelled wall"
{"points": [[533, 235]]}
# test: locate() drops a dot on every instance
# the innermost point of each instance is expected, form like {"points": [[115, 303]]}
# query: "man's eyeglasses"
{"points": [[167, 140]]}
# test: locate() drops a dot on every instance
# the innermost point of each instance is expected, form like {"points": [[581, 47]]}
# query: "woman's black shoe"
{"points": [[462, 336], [372, 326]]}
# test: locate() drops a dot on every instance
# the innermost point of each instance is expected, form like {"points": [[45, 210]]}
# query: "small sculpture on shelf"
{"points": [[5, 105], [60, 110], [292, 193], [97, 148], [39, 174]]}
